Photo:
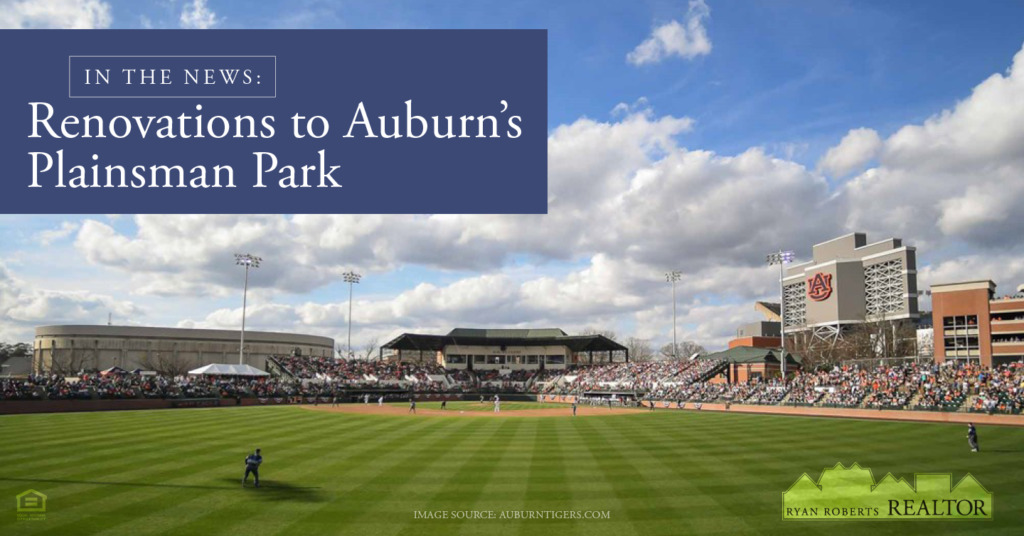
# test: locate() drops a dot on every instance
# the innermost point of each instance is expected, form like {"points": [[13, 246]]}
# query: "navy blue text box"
{"points": [[172, 76], [470, 107]]}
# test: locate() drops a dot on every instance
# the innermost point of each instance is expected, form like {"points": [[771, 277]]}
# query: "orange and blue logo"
{"points": [[819, 286]]}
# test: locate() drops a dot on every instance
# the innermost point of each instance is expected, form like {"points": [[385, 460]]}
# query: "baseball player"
{"points": [[252, 465]]}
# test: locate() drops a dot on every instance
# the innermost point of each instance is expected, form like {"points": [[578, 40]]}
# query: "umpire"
{"points": [[252, 465]]}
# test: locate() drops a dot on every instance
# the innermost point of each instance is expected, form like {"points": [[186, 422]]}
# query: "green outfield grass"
{"points": [[177, 472], [457, 405]]}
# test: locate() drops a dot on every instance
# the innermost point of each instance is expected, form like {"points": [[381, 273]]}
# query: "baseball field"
{"points": [[631, 473]]}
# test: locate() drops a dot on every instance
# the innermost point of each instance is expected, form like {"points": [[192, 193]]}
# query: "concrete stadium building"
{"points": [[130, 347], [849, 281]]}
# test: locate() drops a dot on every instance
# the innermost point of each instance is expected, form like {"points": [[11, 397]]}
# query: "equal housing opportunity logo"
{"points": [[851, 493], [31, 505]]}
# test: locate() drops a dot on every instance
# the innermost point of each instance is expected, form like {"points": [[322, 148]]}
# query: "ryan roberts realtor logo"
{"points": [[852, 493]]}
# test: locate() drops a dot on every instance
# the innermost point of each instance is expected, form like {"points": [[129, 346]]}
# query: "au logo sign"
{"points": [[819, 287], [852, 493]]}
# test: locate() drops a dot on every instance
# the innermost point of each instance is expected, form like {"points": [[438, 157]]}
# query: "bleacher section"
{"points": [[911, 386]]}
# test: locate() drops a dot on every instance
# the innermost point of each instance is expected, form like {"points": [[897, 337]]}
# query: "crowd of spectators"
{"points": [[547, 375], [1002, 391], [768, 394], [132, 385], [946, 387], [464, 379], [642, 376], [358, 371], [740, 391]]}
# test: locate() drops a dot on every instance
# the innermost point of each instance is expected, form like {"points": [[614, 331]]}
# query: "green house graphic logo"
{"points": [[31, 505], [31, 501], [852, 493]]}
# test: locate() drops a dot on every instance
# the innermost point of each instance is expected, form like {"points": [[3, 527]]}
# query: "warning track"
{"points": [[373, 409]]}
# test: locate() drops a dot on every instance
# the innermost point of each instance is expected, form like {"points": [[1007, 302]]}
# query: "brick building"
{"points": [[973, 324]]}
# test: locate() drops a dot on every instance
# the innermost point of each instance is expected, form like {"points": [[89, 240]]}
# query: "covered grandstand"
{"points": [[505, 349], [745, 363]]}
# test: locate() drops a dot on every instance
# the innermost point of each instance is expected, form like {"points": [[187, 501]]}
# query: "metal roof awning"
{"points": [[436, 343]]}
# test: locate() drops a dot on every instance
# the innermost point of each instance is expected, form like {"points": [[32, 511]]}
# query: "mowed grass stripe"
{"points": [[103, 453], [467, 478], [660, 494], [271, 519], [594, 451], [364, 500], [418, 495], [695, 510], [80, 473], [665, 472], [504, 485], [207, 451], [73, 423], [222, 510], [113, 439], [289, 491], [226, 476], [391, 510], [546, 483]]}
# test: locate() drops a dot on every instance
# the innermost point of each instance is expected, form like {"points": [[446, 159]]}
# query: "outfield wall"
{"points": [[8, 407], [61, 406], [11, 407]]}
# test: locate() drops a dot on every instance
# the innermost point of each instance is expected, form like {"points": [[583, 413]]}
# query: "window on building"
{"points": [[960, 337], [555, 359]]}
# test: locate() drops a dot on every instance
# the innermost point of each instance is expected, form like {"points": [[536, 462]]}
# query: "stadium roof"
{"points": [[770, 310], [506, 333], [504, 337], [751, 355], [221, 369]]}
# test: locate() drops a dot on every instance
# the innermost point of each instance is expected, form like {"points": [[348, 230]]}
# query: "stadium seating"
{"points": [[911, 386]]}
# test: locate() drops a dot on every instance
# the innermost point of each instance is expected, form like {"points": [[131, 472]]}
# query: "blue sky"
{"points": [[781, 72], [754, 98]]}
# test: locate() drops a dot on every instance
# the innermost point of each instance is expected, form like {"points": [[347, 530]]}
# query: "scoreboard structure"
{"points": [[849, 281]]}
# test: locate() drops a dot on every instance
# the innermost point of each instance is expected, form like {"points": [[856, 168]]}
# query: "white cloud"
{"points": [[196, 15], [23, 307], [601, 294], [856, 149], [50, 236], [687, 39], [623, 195], [627, 201], [1005, 269], [621, 189], [70, 14], [959, 175]]}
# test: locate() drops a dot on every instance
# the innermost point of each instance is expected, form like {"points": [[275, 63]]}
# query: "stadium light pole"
{"points": [[351, 278], [672, 277], [782, 258], [248, 261]]}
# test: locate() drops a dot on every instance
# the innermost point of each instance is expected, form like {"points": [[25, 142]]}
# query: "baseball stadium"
{"points": [[513, 431]]}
